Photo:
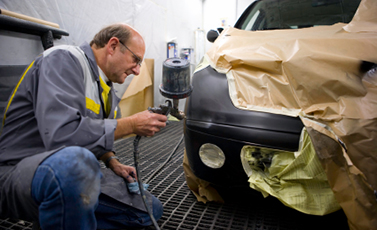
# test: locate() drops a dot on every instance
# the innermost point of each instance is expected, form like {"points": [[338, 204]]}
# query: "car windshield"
{"points": [[294, 14]]}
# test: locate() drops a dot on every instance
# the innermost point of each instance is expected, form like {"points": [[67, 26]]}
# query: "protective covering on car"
{"points": [[202, 189], [297, 179], [320, 74]]}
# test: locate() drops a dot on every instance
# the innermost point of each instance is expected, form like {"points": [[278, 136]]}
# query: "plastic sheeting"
{"points": [[156, 20], [315, 73], [83, 19], [297, 179]]}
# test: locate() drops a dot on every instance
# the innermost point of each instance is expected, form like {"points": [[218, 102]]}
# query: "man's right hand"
{"points": [[143, 124], [147, 124]]}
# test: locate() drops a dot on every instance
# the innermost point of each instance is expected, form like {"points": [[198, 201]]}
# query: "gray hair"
{"points": [[119, 31]]}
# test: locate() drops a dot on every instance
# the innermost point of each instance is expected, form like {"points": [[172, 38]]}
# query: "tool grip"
{"points": [[162, 109]]}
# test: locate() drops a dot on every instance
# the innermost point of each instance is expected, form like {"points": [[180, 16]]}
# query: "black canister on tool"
{"points": [[176, 78]]}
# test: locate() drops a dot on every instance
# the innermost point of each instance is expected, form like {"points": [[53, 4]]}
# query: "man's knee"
{"points": [[77, 172], [73, 161]]}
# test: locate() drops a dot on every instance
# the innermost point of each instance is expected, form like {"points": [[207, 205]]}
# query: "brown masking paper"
{"points": [[315, 73], [202, 189]]}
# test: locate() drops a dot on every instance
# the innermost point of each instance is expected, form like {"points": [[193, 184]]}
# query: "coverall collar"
{"points": [[92, 60]]}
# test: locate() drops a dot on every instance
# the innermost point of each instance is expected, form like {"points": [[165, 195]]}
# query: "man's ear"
{"points": [[112, 44]]}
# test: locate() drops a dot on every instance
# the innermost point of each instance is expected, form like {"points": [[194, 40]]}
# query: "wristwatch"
{"points": [[109, 159]]}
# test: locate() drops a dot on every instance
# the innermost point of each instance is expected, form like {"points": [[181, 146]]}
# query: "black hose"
{"points": [[141, 187], [166, 161], [165, 110]]}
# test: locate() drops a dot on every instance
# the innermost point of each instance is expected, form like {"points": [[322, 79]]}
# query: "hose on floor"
{"points": [[165, 110], [141, 187], [163, 164]]}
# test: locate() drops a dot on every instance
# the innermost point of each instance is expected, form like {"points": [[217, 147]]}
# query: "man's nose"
{"points": [[136, 69]]}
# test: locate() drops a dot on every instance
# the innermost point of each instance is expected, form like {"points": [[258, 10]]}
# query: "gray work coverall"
{"points": [[57, 103]]}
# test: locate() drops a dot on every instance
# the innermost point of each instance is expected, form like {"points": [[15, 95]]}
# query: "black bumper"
{"points": [[212, 118]]}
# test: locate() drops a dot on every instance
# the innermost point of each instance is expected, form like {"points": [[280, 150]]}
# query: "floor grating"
{"points": [[183, 211]]}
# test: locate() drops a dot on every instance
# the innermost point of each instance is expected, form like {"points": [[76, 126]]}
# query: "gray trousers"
{"points": [[15, 188]]}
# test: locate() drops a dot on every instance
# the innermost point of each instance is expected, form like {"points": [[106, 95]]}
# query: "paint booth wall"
{"points": [[159, 21]]}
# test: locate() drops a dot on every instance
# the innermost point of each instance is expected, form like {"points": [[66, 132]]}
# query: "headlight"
{"points": [[212, 156]]}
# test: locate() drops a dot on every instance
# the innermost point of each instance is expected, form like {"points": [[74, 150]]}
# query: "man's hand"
{"points": [[143, 124], [125, 171], [147, 124]]}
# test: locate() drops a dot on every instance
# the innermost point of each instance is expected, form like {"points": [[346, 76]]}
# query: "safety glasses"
{"points": [[137, 59]]}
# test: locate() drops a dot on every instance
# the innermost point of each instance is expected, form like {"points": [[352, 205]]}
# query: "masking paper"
{"points": [[297, 179], [202, 189], [319, 75]]}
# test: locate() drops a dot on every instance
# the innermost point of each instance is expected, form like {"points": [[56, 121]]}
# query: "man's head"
{"points": [[119, 50]]}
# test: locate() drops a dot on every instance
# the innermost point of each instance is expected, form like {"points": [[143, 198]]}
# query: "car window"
{"points": [[294, 14]]}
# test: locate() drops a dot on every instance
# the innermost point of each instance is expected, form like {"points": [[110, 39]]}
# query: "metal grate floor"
{"points": [[181, 209]]}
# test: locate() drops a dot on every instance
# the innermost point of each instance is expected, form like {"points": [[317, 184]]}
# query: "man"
{"points": [[59, 122]]}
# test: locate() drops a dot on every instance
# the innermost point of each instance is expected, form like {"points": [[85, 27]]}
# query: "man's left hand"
{"points": [[125, 171]]}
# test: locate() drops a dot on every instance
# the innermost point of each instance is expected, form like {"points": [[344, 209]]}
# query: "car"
{"points": [[223, 124], [211, 117]]}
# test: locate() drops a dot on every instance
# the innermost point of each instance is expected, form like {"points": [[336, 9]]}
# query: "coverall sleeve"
{"points": [[60, 107]]}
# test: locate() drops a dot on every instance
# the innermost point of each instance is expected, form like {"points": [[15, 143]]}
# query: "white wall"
{"points": [[157, 20], [222, 13], [177, 20]]}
